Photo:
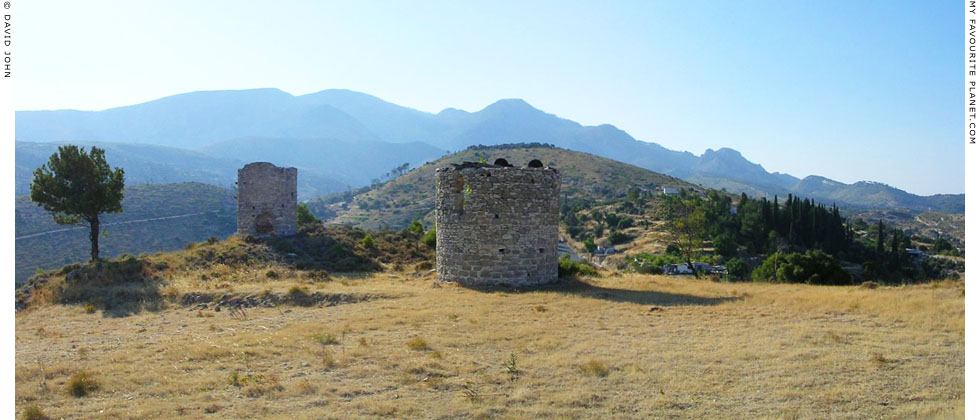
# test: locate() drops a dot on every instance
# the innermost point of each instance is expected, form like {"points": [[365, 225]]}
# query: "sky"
{"points": [[866, 90]]}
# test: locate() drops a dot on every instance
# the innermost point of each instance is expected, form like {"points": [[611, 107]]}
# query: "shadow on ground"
{"points": [[119, 287], [576, 287]]}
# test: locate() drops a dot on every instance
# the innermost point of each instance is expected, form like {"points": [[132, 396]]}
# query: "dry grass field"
{"points": [[622, 346]]}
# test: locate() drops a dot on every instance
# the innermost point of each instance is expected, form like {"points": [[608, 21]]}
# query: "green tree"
{"points": [[736, 268], [589, 245], [941, 245], [689, 227], [416, 228], [880, 249], [304, 216], [725, 244], [813, 267], [76, 187]]}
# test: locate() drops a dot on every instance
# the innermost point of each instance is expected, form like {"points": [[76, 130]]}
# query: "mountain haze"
{"points": [[353, 137], [150, 164]]}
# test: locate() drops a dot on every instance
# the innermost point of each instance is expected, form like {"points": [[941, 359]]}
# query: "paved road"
{"points": [[115, 224], [563, 249]]}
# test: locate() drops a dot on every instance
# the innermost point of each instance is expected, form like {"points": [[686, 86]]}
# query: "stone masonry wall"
{"points": [[266, 200], [497, 225]]}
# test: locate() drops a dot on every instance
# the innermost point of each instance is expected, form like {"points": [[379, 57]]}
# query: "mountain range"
{"points": [[340, 139]]}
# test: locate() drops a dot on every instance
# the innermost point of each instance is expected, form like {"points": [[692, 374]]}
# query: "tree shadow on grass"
{"points": [[120, 287], [576, 287]]}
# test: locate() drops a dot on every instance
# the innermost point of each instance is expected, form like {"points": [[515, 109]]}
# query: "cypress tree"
{"points": [[881, 238]]}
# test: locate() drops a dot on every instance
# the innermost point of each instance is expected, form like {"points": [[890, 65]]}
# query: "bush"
{"points": [[589, 245], [429, 239], [725, 245], [81, 384], [368, 241], [595, 368], [326, 339], [814, 267], [736, 268], [567, 267], [418, 344], [617, 237], [33, 412], [297, 291], [304, 216]]}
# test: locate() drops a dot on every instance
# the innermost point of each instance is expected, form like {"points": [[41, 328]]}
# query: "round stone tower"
{"points": [[497, 224], [266, 200]]}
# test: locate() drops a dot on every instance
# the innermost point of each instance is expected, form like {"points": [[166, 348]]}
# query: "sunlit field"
{"points": [[397, 344]]}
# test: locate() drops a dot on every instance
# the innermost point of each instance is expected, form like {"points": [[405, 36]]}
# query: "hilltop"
{"points": [[396, 203]]}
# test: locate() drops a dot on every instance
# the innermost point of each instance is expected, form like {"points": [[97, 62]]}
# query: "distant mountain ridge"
{"points": [[352, 127]]}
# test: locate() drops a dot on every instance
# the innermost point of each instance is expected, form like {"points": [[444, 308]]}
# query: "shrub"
{"points": [[326, 339], [617, 237], [510, 365], [304, 216], [81, 384], [567, 267], [272, 274], [814, 267], [736, 268], [329, 362], [418, 344], [589, 245], [430, 238], [297, 291], [33, 412], [624, 223], [595, 368], [368, 241], [415, 228]]}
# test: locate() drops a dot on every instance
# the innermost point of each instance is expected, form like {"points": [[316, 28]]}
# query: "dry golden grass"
{"points": [[626, 346]]}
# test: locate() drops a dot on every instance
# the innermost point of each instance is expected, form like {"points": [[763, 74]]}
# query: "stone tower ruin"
{"points": [[266, 200], [497, 224]]}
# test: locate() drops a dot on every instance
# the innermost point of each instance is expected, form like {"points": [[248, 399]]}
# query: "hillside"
{"points": [[159, 217], [202, 120], [150, 164], [396, 203], [929, 224]]}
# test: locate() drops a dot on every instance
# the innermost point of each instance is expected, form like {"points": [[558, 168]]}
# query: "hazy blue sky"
{"points": [[852, 90]]}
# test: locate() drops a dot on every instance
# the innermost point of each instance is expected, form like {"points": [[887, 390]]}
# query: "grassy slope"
{"points": [[630, 346], [140, 202], [412, 195]]}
